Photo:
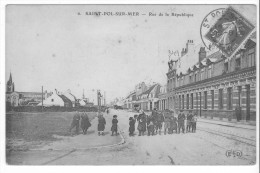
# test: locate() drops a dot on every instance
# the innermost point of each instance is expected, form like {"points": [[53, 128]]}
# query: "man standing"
{"points": [[181, 118], [167, 121], [159, 122], [189, 117], [75, 122], [238, 112]]}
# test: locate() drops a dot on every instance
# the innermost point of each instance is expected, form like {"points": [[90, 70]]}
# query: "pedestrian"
{"points": [[173, 124], [114, 125], [107, 110], [131, 126], [167, 121], [238, 112], [181, 118], [194, 123], [150, 125], [188, 125], [85, 124], [101, 125], [75, 122], [141, 123], [159, 122]]}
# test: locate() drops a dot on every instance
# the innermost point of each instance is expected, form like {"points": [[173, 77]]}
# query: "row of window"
{"points": [[198, 96], [242, 60]]}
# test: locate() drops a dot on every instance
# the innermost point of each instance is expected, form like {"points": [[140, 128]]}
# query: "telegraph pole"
{"points": [[104, 98]]}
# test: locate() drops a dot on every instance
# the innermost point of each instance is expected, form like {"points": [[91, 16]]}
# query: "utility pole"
{"points": [[98, 100], [104, 98], [42, 98]]}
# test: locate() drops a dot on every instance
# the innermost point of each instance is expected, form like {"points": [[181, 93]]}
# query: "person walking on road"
{"points": [[238, 112], [159, 122], [101, 124], [141, 123], [181, 118], [167, 121], [131, 126], [188, 125], [75, 122], [193, 123], [85, 124], [114, 125]]}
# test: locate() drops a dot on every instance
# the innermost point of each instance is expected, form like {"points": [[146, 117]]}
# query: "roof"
{"points": [[149, 90], [130, 95], [64, 98]]}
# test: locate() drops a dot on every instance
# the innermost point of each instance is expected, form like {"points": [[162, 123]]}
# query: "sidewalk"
{"points": [[243, 125], [90, 140]]}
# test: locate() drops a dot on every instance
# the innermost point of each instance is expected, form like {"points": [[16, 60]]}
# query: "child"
{"points": [[101, 125], [114, 125], [150, 127], [131, 126]]}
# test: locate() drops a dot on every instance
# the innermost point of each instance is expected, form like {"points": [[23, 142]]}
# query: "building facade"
{"points": [[216, 86], [144, 97], [162, 97]]}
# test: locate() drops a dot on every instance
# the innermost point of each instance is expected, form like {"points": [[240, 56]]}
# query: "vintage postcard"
{"points": [[132, 84]]}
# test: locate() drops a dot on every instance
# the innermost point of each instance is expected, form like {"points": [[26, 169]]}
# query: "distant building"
{"points": [[53, 100], [144, 97], [162, 96], [15, 98]]}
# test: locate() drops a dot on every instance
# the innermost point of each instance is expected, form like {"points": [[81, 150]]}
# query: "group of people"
{"points": [[85, 123], [153, 123]]}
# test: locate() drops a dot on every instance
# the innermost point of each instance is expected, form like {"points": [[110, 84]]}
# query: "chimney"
{"points": [[182, 52], [189, 46], [202, 53]]}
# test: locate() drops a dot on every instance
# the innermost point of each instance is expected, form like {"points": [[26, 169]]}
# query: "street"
{"points": [[208, 146]]}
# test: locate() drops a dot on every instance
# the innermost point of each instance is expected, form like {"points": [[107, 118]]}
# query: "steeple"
{"points": [[10, 84], [83, 96]]}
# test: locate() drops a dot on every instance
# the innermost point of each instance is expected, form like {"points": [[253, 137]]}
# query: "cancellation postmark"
{"points": [[229, 31]]}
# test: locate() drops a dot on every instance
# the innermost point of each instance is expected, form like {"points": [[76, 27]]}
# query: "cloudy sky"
{"points": [[53, 46]]}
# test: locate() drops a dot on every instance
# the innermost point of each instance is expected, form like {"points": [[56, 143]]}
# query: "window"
{"points": [[229, 98], [238, 64], [212, 99], [195, 78], [239, 88], [52, 100], [182, 101], [251, 57], [187, 102], [205, 99], [191, 95], [197, 100], [190, 79], [179, 101], [201, 74], [209, 72], [220, 99], [226, 67]]}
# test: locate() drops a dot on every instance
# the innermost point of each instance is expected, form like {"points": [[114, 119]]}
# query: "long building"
{"points": [[215, 86]]}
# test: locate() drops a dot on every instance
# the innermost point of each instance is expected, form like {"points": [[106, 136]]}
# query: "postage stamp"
{"points": [[229, 31]]}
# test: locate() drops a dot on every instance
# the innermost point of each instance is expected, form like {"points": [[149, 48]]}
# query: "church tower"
{"points": [[10, 85]]}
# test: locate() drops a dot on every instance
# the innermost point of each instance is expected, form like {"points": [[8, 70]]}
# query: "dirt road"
{"points": [[208, 146]]}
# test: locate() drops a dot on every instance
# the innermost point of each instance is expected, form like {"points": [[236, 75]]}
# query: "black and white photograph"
{"points": [[131, 84]]}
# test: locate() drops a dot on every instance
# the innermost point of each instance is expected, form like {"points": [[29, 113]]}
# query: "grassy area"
{"points": [[37, 127]]}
